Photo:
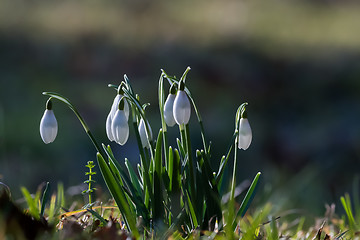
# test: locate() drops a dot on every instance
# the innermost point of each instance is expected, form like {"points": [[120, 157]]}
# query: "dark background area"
{"points": [[297, 63]]}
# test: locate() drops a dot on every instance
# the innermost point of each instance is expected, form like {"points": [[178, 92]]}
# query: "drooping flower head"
{"points": [[245, 133], [182, 109], [119, 125], [48, 124], [169, 106], [114, 108]]}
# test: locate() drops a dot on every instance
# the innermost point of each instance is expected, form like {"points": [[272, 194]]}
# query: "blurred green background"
{"points": [[297, 63]]}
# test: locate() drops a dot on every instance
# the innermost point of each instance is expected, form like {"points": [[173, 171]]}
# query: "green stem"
{"points": [[233, 181], [82, 121], [185, 138], [163, 123]]}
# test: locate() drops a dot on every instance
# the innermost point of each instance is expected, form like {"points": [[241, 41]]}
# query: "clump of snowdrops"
{"points": [[173, 189]]}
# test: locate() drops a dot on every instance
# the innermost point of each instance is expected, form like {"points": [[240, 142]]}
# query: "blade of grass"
{"points": [[248, 198], [133, 177], [45, 198], [97, 215], [33, 209], [118, 195]]}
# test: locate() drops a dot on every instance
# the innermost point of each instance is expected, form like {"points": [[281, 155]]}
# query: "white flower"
{"points": [[48, 126], [115, 106], [168, 110], [111, 115], [145, 139], [120, 127], [182, 108], [245, 134]]}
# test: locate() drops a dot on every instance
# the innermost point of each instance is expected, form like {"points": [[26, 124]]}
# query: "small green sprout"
{"points": [[89, 182]]}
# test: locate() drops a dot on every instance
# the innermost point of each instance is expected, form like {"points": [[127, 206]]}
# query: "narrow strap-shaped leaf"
{"points": [[176, 177], [158, 209], [191, 210], [45, 198], [118, 195], [133, 177], [170, 168], [97, 215], [33, 209], [175, 225], [248, 198], [60, 198], [134, 194], [180, 147]]}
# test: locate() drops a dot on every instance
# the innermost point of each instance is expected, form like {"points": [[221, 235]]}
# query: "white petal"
{"points": [[120, 127], [182, 108], [108, 127], [245, 134], [115, 106], [168, 110], [48, 126], [145, 140]]}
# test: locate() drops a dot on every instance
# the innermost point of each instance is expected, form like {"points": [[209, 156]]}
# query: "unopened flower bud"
{"points": [[145, 139], [245, 134]]}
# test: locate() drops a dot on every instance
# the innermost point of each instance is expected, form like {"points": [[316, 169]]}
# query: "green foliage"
{"points": [[90, 165], [353, 217], [37, 208], [175, 189]]}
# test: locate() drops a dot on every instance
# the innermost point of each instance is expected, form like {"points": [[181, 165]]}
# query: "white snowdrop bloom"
{"points": [[182, 108], [48, 125], [111, 115], [145, 140], [245, 134], [120, 127], [168, 110]]}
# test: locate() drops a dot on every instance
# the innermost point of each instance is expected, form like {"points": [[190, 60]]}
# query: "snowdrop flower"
{"points": [[168, 107], [181, 108], [245, 134], [119, 125], [111, 115], [145, 139], [48, 124]]}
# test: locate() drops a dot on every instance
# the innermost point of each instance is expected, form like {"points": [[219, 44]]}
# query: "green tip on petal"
{"points": [[244, 114], [181, 85], [173, 89], [243, 111], [49, 104], [120, 89], [122, 103]]}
